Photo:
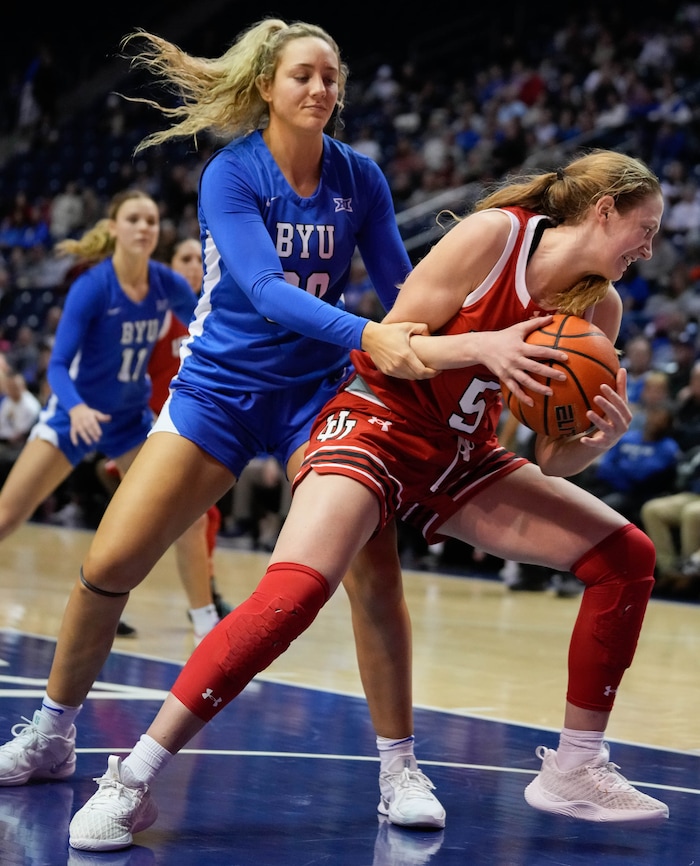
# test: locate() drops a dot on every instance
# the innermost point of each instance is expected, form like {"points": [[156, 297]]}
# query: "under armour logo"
{"points": [[343, 204], [384, 424], [210, 694], [337, 427], [609, 690]]}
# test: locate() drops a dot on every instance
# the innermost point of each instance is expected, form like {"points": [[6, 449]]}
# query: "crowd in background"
{"points": [[592, 78]]}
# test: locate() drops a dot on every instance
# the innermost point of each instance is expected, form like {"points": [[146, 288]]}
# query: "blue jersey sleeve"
{"points": [[182, 298], [86, 302], [380, 243], [234, 211]]}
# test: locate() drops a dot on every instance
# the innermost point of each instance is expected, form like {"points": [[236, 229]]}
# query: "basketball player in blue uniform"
{"points": [[97, 372], [111, 320], [281, 210]]}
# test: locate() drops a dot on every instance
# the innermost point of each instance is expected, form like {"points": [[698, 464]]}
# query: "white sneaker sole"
{"points": [[430, 822], [123, 841], [542, 800]]}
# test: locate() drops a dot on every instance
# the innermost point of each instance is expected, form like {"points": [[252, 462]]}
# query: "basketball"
{"points": [[592, 362]]}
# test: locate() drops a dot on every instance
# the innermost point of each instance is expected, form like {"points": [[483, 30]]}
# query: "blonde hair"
{"points": [[567, 194], [221, 94], [97, 243]]}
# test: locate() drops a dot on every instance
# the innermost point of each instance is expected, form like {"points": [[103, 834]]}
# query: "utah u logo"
{"points": [[337, 428]]}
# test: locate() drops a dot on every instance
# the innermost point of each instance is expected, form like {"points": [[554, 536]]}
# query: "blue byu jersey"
{"points": [[270, 314], [104, 339]]}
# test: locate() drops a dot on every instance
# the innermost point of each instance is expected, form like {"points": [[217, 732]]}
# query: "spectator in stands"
{"points": [[637, 358], [672, 522], [19, 410], [684, 348], [359, 285], [655, 391], [686, 424], [682, 222], [634, 289], [638, 467], [23, 357], [366, 142], [67, 212], [24, 225], [260, 502]]}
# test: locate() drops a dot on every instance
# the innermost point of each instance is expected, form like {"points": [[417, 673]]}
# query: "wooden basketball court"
{"points": [[288, 773]]}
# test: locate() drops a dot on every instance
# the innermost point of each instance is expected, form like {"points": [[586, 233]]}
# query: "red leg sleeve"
{"points": [[619, 577], [213, 526], [251, 637]]}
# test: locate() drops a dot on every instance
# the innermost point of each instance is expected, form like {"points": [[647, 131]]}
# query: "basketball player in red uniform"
{"points": [[186, 259], [427, 453]]}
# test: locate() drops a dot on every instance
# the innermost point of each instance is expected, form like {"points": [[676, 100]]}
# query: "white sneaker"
{"points": [[110, 817], [593, 792], [33, 754], [408, 800]]}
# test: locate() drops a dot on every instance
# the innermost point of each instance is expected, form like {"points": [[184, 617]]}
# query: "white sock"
{"points": [[55, 718], [146, 760], [394, 755], [576, 748], [204, 619]]}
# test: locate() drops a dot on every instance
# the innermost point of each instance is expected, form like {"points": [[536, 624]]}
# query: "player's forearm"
{"points": [[447, 352]]}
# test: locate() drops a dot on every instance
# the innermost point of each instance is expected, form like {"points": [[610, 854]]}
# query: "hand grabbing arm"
{"points": [[391, 349], [504, 352]]}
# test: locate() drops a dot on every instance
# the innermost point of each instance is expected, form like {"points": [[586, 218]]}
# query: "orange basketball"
{"points": [[592, 362]]}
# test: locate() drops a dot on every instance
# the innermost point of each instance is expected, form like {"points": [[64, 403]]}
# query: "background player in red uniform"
{"points": [[196, 546]]}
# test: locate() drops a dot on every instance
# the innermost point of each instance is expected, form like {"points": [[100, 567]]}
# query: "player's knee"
{"points": [[108, 572], [285, 603], [627, 554], [619, 575]]}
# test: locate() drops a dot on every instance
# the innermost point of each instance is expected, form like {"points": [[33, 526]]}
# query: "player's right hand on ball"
{"points": [[517, 363]]}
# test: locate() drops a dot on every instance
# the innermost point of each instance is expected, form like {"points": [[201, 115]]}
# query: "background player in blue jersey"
{"points": [[282, 209], [111, 320], [195, 547]]}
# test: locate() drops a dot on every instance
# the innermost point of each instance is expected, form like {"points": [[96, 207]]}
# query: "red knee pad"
{"points": [[251, 637], [619, 577]]}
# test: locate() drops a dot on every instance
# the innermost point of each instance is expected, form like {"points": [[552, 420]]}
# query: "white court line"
{"points": [[488, 768], [35, 688]]}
